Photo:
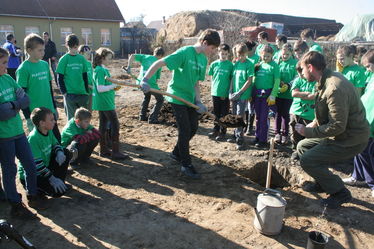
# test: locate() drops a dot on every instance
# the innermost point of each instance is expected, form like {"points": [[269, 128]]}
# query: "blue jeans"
{"points": [[19, 148]]}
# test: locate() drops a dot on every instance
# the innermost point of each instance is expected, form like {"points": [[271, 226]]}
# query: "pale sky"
{"points": [[340, 10]]}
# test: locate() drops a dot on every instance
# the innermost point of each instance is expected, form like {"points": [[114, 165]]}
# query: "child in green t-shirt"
{"points": [[80, 137], [103, 101], [73, 78], [35, 78], [146, 61], [221, 72], [240, 87], [280, 40], [86, 52], [287, 69], [302, 107], [351, 71], [13, 142], [50, 158], [267, 79], [360, 51], [307, 35], [188, 65], [263, 38]]}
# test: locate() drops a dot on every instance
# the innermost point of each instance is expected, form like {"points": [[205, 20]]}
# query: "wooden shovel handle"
{"points": [[270, 163], [124, 83]]}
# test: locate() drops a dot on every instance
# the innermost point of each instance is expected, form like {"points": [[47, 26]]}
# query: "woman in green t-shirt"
{"points": [[188, 65], [103, 101]]}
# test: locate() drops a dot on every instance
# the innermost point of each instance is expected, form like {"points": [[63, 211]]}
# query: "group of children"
{"points": [[44, 155], [255, 81]]}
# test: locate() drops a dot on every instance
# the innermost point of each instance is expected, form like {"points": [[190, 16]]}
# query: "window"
{"points": [[65, 32], [105, 37], [4, 30], [31, 29], [87, 36]]}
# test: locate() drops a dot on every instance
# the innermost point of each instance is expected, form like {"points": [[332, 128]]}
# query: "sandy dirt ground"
{"points": [[145, 202]]}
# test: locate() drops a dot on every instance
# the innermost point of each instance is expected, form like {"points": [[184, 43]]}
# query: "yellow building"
{"points": [[95, 22]]}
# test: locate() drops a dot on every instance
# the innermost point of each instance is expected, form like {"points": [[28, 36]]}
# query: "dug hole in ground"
{"points": [[145, 202]]}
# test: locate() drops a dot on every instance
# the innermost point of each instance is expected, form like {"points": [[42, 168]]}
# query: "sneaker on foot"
{"points": [[285, 140], [190, 171], [254, 141], [295, 156], [213, 134], [175, 157], [231, 139], [20, 211], [352, 182], [334, 201], [261, 144], [220, 137], [312, 187], [38, 202], [278, 138]]}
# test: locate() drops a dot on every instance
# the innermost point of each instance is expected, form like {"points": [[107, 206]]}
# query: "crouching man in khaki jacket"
{"points": [[339, 131]]}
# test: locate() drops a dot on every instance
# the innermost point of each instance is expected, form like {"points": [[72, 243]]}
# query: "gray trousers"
{"points": [[72, 102], [317, 154], [238, 108]]}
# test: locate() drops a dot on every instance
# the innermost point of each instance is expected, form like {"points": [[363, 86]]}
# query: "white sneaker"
{"points": [[352, 182]]}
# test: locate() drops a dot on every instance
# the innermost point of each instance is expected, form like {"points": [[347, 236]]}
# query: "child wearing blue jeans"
{"points": [[13, 143]]}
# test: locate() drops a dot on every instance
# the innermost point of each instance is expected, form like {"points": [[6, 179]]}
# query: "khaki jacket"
{"points": [[340, 114]]}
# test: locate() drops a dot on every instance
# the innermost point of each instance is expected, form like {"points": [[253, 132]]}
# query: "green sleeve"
{"points": [[36, 152], [61, 65], [175, 60], [211, 69], [296, 83], [250, 69], [158, 74], [361, 79], [100, 77], [275, 90], [22, 77], [139, 57]]}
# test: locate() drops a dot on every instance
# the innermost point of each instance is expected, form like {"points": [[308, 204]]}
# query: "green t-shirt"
{"points": [[102, 101], [367, 100], [146, 61], [288, 72], [316, 47], [261, 46], [89, 75], [13, 126], [356, 75], [267, 77], [242, 71], [36, 77], [73, 67], [221, 72], [301, 107], [254, 59], [188, 68], [70, 130], [369, 76], [41, 148]]}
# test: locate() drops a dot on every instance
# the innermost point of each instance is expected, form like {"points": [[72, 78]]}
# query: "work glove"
{"points": [[30, 125], [202, 108], [60, 157], [144, 86], [270, 100], [117, 88], [57, 184], [235, 96], [283, 88], [20, 93]]}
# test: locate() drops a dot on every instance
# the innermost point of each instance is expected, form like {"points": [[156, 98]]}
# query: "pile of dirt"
{"points": [[190, 23], [123, 77]]}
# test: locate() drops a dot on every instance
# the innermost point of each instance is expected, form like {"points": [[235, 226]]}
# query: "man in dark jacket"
{"points": [[50, 53], [339, 131]]}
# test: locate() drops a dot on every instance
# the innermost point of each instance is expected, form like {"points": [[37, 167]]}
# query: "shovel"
{"points": [[226, 121]]}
